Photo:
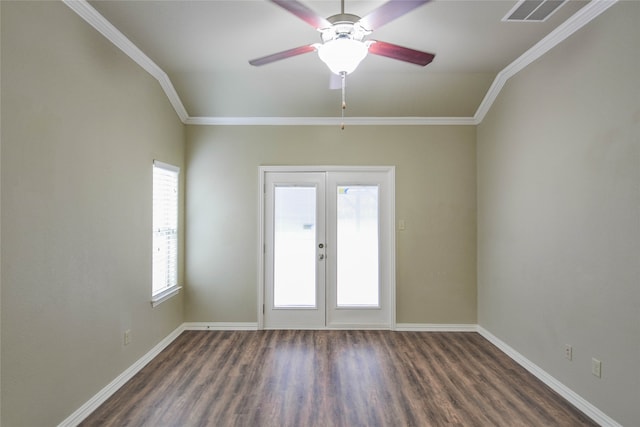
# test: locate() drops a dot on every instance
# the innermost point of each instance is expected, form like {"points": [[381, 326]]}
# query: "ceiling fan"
{"points": [[344, 44]]}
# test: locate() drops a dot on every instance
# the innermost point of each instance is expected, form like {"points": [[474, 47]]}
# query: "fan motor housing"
{"points": [[344, 25], [343, 17]]}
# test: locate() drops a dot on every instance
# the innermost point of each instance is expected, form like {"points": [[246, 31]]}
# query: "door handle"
{"points": [[321, 257]]}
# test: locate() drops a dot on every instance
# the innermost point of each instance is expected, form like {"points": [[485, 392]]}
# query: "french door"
{"points": [[328, 239]]}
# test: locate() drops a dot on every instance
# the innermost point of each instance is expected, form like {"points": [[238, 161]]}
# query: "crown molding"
{"points": [[329, 121], [581, 18], [104, 27]]}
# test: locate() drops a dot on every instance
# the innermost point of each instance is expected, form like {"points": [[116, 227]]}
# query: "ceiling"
{"points": [[204, 48]]}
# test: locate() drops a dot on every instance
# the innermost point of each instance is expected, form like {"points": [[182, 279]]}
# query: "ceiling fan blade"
{"points": [[388, 12], [303, 12], [282, 55], [400, 53]]}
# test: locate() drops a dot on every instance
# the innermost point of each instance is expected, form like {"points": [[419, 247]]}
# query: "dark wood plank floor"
{"points": [[334, 378]]}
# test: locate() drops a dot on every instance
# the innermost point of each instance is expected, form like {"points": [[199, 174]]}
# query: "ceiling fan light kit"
{"points": [[342, 55]]}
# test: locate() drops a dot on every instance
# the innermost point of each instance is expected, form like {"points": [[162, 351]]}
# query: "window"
{"points": [[165, 232], [358, 282]]}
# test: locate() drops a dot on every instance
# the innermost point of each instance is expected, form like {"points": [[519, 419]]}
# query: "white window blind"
{"points": [[165, 227]]}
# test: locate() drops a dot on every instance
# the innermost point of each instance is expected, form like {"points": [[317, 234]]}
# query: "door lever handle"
{"points": [[321, 257]]}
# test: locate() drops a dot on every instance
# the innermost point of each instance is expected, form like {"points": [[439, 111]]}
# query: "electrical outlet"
{"points": [[127, 337], [568, 352], [596, 367]]}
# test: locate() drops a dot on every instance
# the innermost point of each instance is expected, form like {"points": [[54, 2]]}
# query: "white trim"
{"points": [[323, 168], [436, 327], [162, 296], [104, 27], [262, 191], [220, 326], [391, 200], [564, 391], [329, 121], [581, 18], [167, 166], [99, 398], [585, 15]]}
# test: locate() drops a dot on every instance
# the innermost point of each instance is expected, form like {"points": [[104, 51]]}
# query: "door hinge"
{"points": [[262, 308]]}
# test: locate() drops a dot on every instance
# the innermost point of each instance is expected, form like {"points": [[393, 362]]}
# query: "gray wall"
{"points": [[559, 212], [435, 195], [81, 124]]}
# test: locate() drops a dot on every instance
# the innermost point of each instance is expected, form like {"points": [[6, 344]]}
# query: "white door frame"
{"points": [[390, 253]]}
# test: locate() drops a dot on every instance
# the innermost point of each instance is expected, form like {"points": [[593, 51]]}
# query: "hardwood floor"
{"points": [[334, 378]]}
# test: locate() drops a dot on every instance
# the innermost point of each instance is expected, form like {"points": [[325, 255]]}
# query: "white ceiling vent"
{"points": [[533, 10]]}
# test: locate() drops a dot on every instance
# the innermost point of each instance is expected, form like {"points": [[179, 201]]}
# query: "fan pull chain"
{"points": [[344, 102]]}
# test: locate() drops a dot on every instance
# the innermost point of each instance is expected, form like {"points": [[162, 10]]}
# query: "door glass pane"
{"points": [[294, 282], [357, 252]]}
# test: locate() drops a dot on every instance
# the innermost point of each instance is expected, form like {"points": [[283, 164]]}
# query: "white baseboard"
{"points": [[436, 327], [92, 404], [576, 400], [251, 326], [220, 326]]}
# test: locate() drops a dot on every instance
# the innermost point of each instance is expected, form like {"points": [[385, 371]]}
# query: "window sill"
{"points": [[161, 297]]}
